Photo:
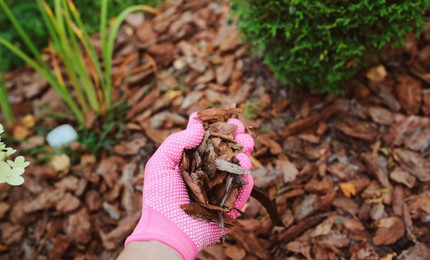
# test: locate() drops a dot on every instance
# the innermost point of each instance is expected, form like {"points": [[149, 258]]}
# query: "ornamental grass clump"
{"points": [[11, 171], [319, 44], [86, 85]]}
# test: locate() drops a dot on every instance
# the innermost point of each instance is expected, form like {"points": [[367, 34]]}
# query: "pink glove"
{"points": [[164, 191]]}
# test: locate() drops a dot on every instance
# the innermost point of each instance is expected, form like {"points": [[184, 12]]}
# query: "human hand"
{"points": [[164, 191]]}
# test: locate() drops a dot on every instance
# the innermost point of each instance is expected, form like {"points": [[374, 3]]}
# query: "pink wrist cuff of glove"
{"points": [[155, 226]]}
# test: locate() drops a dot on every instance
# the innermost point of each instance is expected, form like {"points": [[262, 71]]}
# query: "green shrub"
{"points": [[317, 44], [27, 13]]}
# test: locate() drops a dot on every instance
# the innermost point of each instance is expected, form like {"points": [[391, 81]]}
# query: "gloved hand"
{"points": [[164, 191]]}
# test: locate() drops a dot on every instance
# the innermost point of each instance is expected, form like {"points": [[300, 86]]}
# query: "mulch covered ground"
{"points": [[350, 174]]}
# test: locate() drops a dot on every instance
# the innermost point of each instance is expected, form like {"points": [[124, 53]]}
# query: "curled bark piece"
{"points": [[223, 165], [270, 206]]}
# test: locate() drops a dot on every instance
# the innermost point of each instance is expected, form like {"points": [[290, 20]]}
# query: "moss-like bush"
{"points": [[317, 44]]}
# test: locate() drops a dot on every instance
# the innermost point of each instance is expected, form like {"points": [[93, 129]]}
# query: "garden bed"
{"points": [[350, 174]]}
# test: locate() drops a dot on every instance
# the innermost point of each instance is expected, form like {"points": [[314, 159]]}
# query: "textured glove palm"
{"points": [[164, 191]]}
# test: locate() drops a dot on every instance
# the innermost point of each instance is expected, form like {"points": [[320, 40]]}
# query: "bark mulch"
{"points": [[350, 174]]}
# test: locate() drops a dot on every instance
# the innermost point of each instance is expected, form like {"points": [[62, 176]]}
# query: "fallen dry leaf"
{"points": [[348, 189]]}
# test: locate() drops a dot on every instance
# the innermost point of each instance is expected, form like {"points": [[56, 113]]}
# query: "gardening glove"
{"points": [[164, 192]]}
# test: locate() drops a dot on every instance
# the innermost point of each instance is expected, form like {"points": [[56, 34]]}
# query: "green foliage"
{"points": [[27, 13], [105, 136], [317, 44], [250, 110]]}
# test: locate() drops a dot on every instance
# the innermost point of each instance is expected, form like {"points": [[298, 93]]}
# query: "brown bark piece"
{"points": [[419, 251], [68, 203], [378, 166], [409, 94], [223, 72], [357, 129], [216, 114], [78, 226], [211, 173], [223, 165], [414, 164], [235, 252], [251, 243], [198, 211], [403, 177], [381, 115], [60, 244], [426, 102], [389, 231]]}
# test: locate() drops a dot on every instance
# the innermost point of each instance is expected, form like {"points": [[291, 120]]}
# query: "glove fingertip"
{"points": [[194, 135], [247, 142], [244, 161], [240, 126], [194, 119]]}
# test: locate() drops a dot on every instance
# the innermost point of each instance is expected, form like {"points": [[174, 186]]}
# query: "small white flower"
{"points": [[18, 163], [1, 129], [11, 175]]}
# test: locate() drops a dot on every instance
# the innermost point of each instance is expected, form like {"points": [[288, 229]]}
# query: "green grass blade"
{"points": [[86, 42], [62, 49], [108, 49], [81, 70], [103, 26], [4, 100]]}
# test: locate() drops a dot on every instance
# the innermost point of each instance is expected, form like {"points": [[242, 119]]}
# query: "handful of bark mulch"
{"points": [[213, 175]]}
